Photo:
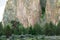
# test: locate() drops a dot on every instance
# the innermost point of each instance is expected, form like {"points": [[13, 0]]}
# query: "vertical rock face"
{"points": [[28, 11], [53, 11], [10, 11], [58, 9]]}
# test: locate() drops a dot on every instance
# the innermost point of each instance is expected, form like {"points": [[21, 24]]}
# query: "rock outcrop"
{"points": [[26, 11], [10, 11], [53, 11]]}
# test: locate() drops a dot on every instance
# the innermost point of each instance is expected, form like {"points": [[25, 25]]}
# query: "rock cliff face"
{"points": [[26, 11], [10, 11], [53, 11]]}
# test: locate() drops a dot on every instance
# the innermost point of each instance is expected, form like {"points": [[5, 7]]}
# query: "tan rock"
{"points": [[53, 11], [28, 11]]}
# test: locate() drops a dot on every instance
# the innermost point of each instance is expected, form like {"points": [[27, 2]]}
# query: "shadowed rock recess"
{"points": [[26, 11]]}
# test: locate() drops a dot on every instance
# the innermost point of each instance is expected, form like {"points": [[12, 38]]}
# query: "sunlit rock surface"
{"points": [[53, 11], [26, 11]]}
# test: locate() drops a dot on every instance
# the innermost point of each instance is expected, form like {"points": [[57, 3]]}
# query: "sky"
{"points": [[2, 7]]}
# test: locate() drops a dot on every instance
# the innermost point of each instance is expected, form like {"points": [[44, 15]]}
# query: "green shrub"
{"points": [[49, 29], [15, 24], [30, 30], [15, 27], [38, 29], [43, 12], [58, 29], [53, 28], [15, 31], [1, 28], [7, 31], [22, 30]]}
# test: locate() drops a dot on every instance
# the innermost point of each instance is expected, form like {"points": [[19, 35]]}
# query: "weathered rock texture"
{"points": [[26, 11], [53, 11], [10, 11]]}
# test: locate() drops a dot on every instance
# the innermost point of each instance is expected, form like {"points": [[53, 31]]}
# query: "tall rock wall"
{"points": [[53, 11], [26, 11], [10, 11]]}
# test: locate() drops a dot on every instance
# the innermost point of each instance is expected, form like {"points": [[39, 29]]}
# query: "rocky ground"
{"points": [[30, 37]]}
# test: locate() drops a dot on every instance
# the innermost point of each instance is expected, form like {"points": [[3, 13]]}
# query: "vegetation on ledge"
{"points": [[16, 28]]}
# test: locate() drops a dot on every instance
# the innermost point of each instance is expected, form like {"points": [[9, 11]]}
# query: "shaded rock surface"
{"points": [[10, 11], [28, 12]]}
